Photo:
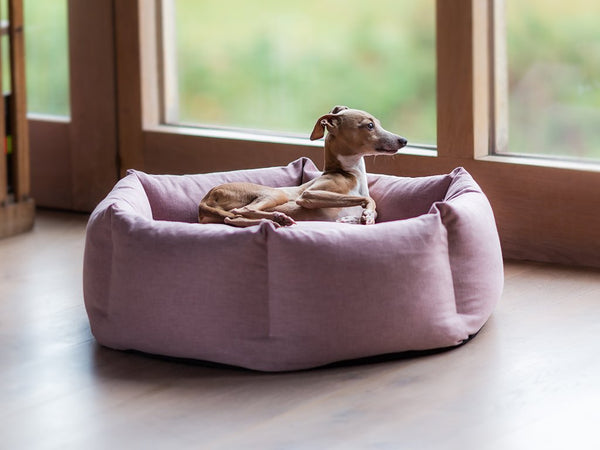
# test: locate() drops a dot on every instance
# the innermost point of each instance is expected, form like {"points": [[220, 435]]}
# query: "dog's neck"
{"points": [[353, 165]]}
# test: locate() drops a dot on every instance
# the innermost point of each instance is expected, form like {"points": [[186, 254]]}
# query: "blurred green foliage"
{"points": [[554, 77], [281, 65], [47, 56]]}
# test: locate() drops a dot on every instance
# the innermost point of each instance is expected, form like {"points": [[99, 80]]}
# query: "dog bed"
{"points": [[426, 276]]}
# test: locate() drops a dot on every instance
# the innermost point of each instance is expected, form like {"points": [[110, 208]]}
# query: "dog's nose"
{"points": [[402, 142]]}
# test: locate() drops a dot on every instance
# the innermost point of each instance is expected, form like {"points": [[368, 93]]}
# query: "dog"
{"points": [[340, 194]]}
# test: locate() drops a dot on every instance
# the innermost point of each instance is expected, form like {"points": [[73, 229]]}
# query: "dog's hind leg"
{"points": [[241, 222], [262, 208], [212, 214], [277, 220], [275, 216]]}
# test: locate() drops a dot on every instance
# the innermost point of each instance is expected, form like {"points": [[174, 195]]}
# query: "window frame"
{"points": [[544, 208], [74, 159]]}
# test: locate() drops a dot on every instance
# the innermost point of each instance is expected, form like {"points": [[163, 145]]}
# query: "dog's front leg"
{"points": [[324, 199], [313, 199]]}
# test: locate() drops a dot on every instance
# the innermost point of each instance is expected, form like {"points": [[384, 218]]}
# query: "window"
{"points": [[545, 208], [554, 78], [278, 65], [73, 142], [4, 43], [47, 57]]}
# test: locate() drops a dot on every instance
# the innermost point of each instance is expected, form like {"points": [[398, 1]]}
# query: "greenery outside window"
{"points": [[293, 61], [47, 57], [554, 79]]}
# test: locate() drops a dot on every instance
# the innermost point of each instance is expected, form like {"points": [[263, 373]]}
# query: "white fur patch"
{"points": [[356, 166]]}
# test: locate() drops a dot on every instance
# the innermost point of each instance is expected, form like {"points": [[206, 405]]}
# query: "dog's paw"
{"points": [[272, 222], [368, 217], [283, 219], [349, 219]]}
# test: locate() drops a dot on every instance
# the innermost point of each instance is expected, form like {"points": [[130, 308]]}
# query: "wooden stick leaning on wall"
{"points": [[3, 146], [16, 214], [18, 103]]}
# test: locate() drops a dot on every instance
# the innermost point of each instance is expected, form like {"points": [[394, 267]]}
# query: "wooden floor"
{"points": [[529, 380]]}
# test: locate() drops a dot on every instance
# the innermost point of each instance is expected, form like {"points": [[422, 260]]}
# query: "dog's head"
{"points": [[357, 132]]}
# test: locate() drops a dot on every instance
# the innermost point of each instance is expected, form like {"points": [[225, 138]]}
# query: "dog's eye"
{"points": [[370, 125]]}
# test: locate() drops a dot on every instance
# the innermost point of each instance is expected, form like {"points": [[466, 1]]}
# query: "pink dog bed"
{"points": [[426, 276]]}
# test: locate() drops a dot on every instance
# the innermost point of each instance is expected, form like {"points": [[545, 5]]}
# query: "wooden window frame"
{"points": [[546, 210], [74, 159]]}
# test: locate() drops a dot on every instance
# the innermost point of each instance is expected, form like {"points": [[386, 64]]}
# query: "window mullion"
{"points": [[463, 82]]}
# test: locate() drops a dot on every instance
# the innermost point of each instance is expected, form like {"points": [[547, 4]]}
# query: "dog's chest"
{"points": [[360, 189], [356, 166]]}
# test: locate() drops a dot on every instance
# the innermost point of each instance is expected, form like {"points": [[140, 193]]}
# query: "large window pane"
{"points": [[276, 65], [554, 77], [47, 56]]}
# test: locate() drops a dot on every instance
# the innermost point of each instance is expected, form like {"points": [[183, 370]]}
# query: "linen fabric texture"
{"points": [[427, 275]]}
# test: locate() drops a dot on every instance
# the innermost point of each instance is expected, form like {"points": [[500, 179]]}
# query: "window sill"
{"points": [[215, 133], [549, 162]]}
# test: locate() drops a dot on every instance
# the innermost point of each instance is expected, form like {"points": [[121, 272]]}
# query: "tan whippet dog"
{"points": [[340, 194]]}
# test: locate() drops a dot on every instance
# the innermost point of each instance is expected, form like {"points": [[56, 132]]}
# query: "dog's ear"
{"points": [[338, 109], [329, 121]]}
